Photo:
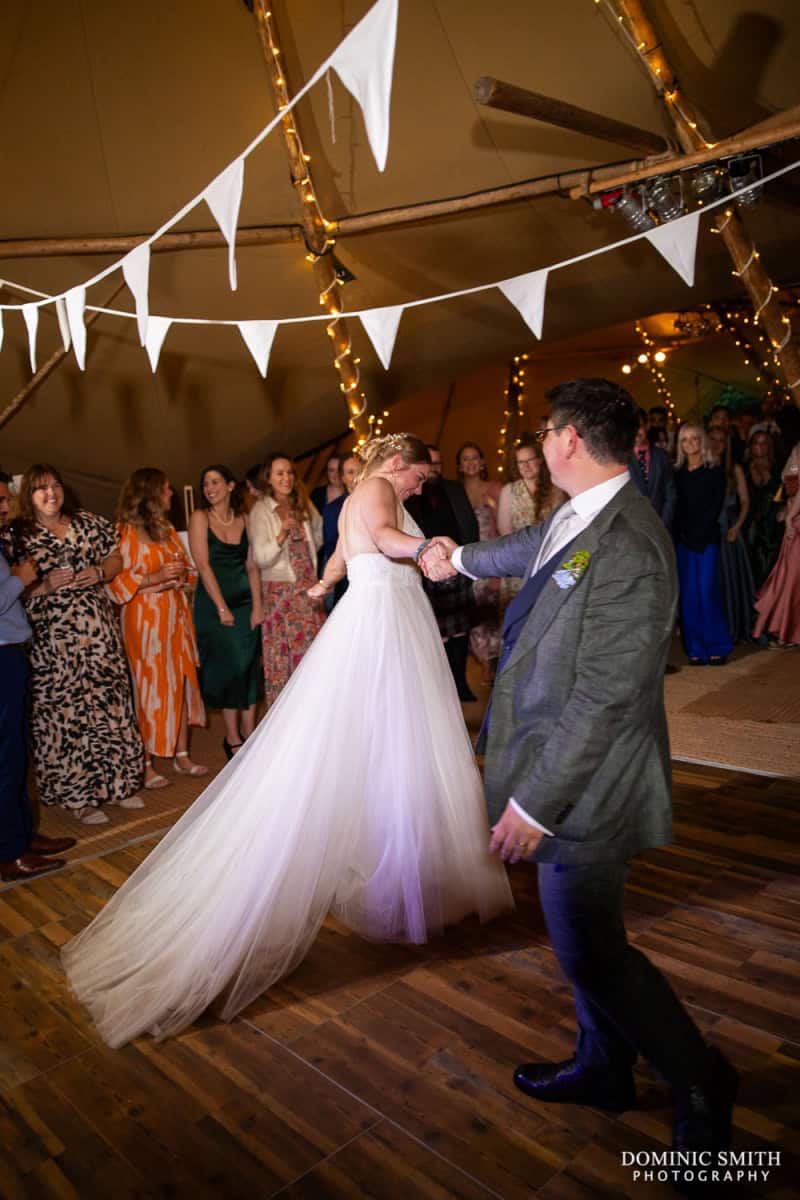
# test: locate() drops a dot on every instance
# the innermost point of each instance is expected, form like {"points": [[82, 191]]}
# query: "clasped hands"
{"points": [[435, 562]]}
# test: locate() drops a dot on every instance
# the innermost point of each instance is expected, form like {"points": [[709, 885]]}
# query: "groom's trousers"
{"points": [[624, 1005]]}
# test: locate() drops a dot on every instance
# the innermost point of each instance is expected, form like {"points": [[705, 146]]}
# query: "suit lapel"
{"points": [[553, 597]]}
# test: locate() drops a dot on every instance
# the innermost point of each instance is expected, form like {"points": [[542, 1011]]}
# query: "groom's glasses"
{"points": [[541, 434]]}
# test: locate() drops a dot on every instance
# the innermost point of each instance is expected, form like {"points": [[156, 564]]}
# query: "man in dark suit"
{"points": [[651, 471], [443, 509], [578, 772]]}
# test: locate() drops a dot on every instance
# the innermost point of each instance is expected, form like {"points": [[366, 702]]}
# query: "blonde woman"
{"points": [[370, 808], [700, 486], [285, 533]]}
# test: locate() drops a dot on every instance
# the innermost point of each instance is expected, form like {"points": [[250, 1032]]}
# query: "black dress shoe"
{"points": [[46, 845], [28, 866], [703, 1112], [570, 1083]]}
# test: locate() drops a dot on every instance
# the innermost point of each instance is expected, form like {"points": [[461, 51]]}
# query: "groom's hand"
{"points": [[435, 562], [513, 837]]}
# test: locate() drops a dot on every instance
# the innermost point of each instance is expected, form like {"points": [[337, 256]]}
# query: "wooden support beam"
{"points": [[316, 230], [495, 93], [47, 368], [206, 239], [728, 223]]}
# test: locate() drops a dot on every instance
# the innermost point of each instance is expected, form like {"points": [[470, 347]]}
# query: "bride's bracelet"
{"points": [[421, 548], [323, 584]]}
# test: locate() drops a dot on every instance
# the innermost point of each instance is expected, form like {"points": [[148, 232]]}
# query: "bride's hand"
{"points": [[318, 591]]}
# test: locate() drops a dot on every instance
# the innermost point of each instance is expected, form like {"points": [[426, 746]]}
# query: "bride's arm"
{"points": [[379, 514], [335, 569]]}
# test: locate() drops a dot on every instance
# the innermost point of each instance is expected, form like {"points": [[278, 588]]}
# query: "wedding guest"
{"points": [[86, 746], [442, 509], [483, 495], [227, 606], [763, 531], [744, 421], [349, 471], [157, 624], [700, 486], [659, 437], [332, 487], [651, 471], [720, 418], [24, 854], [738, 592], [529, 499], [285, 534], [778, 603]]}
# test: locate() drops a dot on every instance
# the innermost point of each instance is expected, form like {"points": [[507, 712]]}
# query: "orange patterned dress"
{"points": [[159, 637]]}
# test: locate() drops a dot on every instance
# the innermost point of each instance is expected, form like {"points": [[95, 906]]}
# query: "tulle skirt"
{"points": [[358, 795]]}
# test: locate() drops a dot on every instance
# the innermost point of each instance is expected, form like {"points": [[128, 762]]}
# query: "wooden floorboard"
{"points": [[384, 1072]]}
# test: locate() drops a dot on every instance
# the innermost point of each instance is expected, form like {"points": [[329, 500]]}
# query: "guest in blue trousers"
{"points": [[700, 486], [23, 853]]}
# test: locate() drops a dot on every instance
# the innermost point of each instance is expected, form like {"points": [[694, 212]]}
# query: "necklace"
{"points": [[230, 520]]}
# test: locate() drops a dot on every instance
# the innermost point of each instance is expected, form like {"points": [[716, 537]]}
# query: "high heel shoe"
{"points": [[230, 749]]}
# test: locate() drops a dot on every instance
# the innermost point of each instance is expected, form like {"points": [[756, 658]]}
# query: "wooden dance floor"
{"points": [[385, 1072]]}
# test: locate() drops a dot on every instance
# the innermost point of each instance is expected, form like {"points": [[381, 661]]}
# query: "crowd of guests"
{"points": [[131, 639]]}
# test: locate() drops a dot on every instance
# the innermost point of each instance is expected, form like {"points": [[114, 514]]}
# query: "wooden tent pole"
{"points": [[495, 93], [47, 368], [686, 120], [316, 230], [784, 127]]}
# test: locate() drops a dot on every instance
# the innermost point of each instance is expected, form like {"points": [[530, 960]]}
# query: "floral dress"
{"points": [[159, 637], [484, 637], [291, 619], [85, 741]]}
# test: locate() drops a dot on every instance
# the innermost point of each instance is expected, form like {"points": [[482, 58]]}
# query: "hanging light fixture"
{"points": [[628, 204], [665, 198], [744, 171]]}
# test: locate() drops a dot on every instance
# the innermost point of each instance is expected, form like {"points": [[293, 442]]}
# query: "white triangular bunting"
{"points": [[63, 323], [75, 302], [364, 63], [677, 242], [136, 270], [31, 314], [156, 332], [258, 337], [526, 293], [381, 326], [223, 196]]}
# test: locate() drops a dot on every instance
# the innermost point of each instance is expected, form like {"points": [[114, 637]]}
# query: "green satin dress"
{"points": [[230, 671]]}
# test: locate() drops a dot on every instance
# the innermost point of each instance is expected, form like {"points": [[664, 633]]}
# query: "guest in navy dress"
{"points": [[700, 486], [349, 470]]}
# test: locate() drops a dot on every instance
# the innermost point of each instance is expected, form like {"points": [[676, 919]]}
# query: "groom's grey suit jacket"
{"points": [[577, 732]]}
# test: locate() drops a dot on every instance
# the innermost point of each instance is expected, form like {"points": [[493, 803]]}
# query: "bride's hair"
{"points": [[378, 449]]}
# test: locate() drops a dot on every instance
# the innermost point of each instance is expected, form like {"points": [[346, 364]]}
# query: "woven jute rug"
{"points": [[745, 715]]}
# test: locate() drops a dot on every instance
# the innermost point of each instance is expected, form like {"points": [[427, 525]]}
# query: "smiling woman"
{"points": [[285, 533]]}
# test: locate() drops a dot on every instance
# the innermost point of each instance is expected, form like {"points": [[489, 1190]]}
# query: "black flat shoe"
{"points": [[570, 1083], [717, 660]]}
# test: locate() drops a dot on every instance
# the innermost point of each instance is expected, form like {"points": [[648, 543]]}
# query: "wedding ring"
{"points": [[522, 845]]}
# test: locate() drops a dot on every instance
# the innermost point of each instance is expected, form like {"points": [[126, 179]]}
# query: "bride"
{"points": [[371, 808]]}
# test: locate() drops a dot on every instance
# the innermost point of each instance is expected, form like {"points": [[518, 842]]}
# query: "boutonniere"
{"points": [[571, 570]]}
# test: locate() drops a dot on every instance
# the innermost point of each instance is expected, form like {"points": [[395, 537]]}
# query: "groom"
{"points": [[577, 756]]}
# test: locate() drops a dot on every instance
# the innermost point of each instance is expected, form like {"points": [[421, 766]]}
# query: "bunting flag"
{"points": [[63, 324], [224, 196], [526, 293], [136, 271], [31, 314], [75, 302], [676, 241], [381, 326], [258, 337], [156, 332], [364, 62]]}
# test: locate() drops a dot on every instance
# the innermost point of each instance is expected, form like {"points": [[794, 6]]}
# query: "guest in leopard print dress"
{"points": [[86, 745]]}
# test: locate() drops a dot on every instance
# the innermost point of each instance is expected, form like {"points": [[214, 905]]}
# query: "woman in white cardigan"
{"points": [[285, 533]]}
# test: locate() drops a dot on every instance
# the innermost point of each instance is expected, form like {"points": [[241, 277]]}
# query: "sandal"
{"points": [[155, 781], [194, 770], [87, 814], [134, 801]]}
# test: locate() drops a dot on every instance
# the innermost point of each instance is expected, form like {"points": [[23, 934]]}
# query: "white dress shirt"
{"points": [[585, 507]]}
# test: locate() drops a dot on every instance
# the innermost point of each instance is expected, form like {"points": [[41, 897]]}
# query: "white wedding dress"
{"points": [[357, 795]]}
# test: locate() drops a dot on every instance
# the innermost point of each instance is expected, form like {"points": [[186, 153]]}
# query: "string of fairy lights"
{"points": [[329, 297], [513, 411]]}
